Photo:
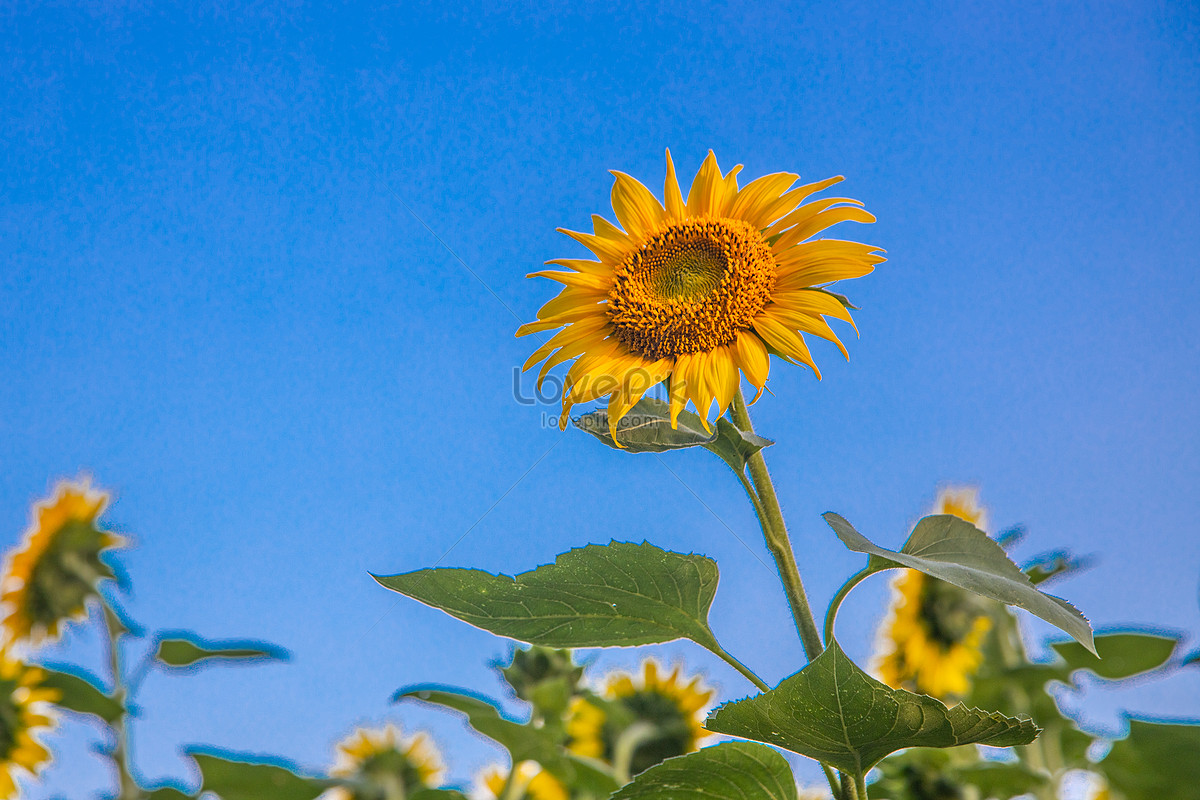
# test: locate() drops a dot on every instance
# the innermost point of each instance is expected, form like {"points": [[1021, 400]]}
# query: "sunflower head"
{"points": [[531, 781], [962, 502], [932, 638], [23, 718], [544, 677], [670, 703], [697, 292], [58, 567], [375, 761]]}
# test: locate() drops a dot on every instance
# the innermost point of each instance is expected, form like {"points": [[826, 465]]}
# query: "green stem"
{"points": [[836, 603], [860, 786], [742, 668], [775, 532], [832, 779], [627, 744], [127, 787]]}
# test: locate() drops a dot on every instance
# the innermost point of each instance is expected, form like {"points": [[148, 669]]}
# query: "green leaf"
{"points": [[247, 778], [1122, 655], [523, 742], [1156, 761], [735, 447], [183, 649], [729, 771], [1055, 564], [1000, 779], [82, 693], [613, 595], [957, 552], [647, 428], [166, 793], [834, 712], [437, 794]]}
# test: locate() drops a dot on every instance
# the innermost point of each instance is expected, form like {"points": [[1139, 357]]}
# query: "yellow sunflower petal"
{"points": [[707, 188], [784, 340], [675, 209], [754, 360], [638, 211]]}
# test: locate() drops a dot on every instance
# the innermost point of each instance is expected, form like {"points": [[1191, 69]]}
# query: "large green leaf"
{"points": [[183, 649], [613, 595], [647, 428], [1157, 761], [248, 778], [524, 742], [81, 692], [957, 552], [729, 771], [836, 713], [1122, 655]]}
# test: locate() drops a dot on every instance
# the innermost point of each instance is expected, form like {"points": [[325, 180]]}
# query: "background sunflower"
{"points": [[377, 761]]}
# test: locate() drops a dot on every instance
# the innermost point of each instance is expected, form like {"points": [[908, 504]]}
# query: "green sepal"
{"points": [[81, 692], [615, 595], [729, 771], [834, 712], [957, 552], [178, 649], [735, 446], [234, 776]]}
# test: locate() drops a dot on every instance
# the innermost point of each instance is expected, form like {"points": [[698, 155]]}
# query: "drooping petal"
{"points": [[786, 341], [807, 323], [582, 265], [779, 211], [813, 301], [753, 359], [636, 382], [584, 329]]}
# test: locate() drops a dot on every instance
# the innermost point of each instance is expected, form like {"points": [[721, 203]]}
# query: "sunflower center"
{"points": [[691, 288]]}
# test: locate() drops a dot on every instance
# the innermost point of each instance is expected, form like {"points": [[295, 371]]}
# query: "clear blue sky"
{"points": [[215, 301]]}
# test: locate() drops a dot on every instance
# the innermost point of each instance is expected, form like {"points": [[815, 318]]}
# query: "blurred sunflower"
{"points": [[50, 578], [23, 718], [692, 292], [531, 783], [667, 705], [375, 762], [931, 640]]}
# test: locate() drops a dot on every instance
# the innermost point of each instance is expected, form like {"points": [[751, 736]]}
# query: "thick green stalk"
{"points": [[127, 787], [860, 786], [775, 532]]}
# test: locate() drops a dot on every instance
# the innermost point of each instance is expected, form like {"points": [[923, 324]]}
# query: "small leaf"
{"points": [[523, 742], [183, 649], [1122, 655], [734, 446], [834, 712], [613, 595], [82, 693], [957, 552], [1053, 565], [647, 428], [729, 771], [1156, 761], [241, 777]]}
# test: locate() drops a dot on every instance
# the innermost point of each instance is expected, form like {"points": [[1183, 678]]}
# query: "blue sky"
{"points": [[216, 302]]}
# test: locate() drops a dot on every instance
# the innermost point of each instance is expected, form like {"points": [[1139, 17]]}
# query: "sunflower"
{"points": [[669, 702], [532, 783], [374, 762], [931, 639], [57, 569], [692, 292], [22, 719]]}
